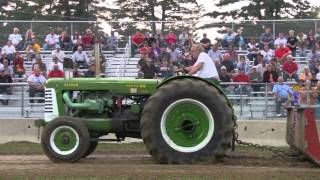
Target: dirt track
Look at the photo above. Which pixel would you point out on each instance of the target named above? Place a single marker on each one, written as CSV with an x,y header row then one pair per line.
x,y
139,165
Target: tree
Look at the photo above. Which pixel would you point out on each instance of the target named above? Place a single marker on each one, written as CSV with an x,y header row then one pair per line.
x,y
263,9
155,10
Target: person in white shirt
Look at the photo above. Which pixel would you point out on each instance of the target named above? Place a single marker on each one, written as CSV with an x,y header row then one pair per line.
x,y
204,67
267,53
55,61
51,40
57,52
9,50
36,84
16,38
280,40
80,58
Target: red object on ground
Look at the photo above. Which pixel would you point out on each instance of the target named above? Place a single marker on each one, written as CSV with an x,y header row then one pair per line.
x,y
302,133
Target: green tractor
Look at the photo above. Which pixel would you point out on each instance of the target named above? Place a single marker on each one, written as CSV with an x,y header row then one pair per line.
x,y
184,119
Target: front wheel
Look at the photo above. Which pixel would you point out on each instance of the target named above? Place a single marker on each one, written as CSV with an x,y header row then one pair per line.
x,y
187,121
65,140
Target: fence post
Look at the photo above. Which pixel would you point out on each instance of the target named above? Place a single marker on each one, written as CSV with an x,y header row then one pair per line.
x,y
241,100
266,99
129,47
22,101
274,29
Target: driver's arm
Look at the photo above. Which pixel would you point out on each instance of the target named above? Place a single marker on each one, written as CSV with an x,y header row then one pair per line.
x,y
194,69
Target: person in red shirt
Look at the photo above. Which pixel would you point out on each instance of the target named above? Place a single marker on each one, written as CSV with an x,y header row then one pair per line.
x,y
18,65
56,72
281,53
241,77
171,38
137,41
87,39
290,69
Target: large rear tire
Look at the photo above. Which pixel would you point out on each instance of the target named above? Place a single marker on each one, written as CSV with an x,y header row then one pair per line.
x,y
92,147
65,140
187,121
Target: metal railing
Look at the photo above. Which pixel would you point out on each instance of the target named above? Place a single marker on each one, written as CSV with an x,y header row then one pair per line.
x,y
248,102
124,59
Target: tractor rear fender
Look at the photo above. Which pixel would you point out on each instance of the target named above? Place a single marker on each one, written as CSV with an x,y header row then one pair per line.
x,y
215,84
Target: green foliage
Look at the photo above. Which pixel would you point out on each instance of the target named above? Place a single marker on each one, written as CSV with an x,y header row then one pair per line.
x,y
265,9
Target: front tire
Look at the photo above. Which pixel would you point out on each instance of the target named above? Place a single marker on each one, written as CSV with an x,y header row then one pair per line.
x,y
187,121
65,140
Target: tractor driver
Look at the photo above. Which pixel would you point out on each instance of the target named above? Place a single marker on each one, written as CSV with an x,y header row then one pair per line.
x,y
204,66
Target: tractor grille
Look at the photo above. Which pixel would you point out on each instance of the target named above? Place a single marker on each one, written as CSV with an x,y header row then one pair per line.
x,y
48,105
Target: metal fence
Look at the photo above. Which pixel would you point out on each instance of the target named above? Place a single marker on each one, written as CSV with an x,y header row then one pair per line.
x,y
123,29
248,101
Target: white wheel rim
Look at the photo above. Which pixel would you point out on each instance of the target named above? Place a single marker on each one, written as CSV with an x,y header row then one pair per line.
x,y
56,149
199,146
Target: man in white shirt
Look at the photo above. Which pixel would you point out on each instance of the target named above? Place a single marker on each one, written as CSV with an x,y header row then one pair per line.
x,y
57,52
204,67
36,84
280,40
80,58
9,50
55,61
51,40
16,38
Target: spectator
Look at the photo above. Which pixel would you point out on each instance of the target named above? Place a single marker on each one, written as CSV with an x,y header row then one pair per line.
x,y
149,70
205,42
18,65
174,55
75,47
76,39
243,65
266,38
40,65
32,50
240,42
7,68
267,53
155,52
189,42
5,89
233,53
80,58
112,42
290,69
51,40
227,62
57,52
56,72
253,50
36,84
166,69
9,50
280,40
305,75
55,61
302,43
16,39
310,40
28,38
87,40
275,66
262,65
171,39
137,41
292,42
281,53
225,78
241,77
183,37
281,92
91,71
270,76
215,54
313,58
65,41
228,39
255,77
